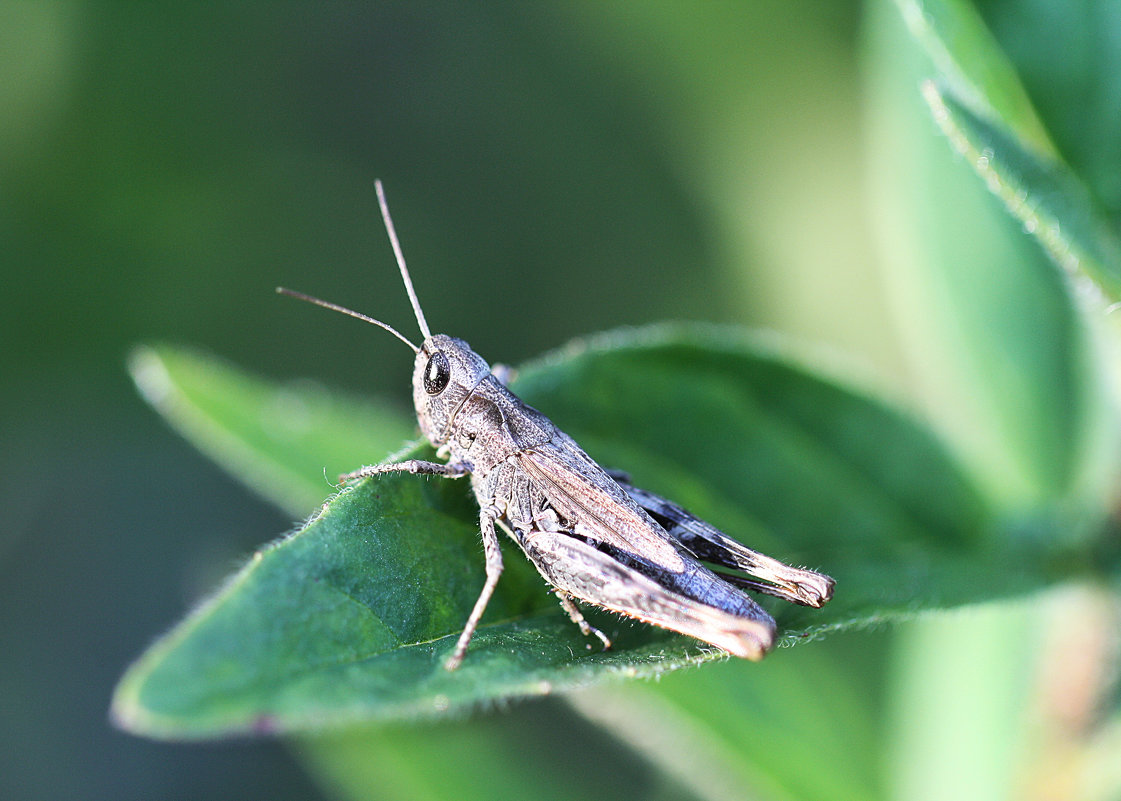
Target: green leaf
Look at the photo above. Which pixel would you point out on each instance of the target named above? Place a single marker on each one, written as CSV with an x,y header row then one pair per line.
x,y
803,725
528,750
289,442
1003,361
983,107
1066,57
350,618
1045,196
973,702
967,56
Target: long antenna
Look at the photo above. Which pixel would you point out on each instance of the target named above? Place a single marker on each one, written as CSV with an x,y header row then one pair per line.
x,y
401,261
335,307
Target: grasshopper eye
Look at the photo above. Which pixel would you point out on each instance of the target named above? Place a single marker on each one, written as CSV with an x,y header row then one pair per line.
x,y
437,374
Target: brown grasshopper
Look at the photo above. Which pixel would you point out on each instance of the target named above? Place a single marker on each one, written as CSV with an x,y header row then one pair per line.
x,y
594,536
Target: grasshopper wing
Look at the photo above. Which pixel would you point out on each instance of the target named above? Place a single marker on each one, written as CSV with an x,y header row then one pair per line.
x,y
612,553
737,625
710,544
589,499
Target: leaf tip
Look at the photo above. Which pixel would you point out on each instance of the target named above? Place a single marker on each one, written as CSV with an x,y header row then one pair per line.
x,y
150,375
126,712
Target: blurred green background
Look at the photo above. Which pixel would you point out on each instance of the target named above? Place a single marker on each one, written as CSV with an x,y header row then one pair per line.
x,y
553,170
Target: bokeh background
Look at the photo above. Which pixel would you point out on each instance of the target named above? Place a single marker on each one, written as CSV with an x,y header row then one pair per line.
x,y
553,170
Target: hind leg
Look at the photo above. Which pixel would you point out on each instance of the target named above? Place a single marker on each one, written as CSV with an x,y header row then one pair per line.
x,y
574,613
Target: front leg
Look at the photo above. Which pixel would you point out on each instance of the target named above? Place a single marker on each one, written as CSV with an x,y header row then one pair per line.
x,y
452,470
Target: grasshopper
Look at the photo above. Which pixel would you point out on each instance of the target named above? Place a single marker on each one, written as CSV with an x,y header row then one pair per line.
x,y
592,534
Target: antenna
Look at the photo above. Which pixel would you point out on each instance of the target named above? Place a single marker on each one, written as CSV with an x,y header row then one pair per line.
x,y
335,307
401,262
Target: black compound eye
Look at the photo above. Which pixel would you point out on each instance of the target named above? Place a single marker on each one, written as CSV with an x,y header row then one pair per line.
x,y
437,374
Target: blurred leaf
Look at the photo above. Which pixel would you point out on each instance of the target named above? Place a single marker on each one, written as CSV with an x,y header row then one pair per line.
x,y
1102,778
288,442
973,702
1045,196
965,53
1002,358
528,750
1066,56
801,725
989,117
349,619
1007,365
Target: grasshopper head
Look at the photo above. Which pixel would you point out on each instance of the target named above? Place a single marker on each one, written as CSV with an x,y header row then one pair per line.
x,y
446,372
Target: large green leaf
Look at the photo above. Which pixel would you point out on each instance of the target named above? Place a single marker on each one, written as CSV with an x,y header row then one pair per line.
x,y
285,442
349,619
